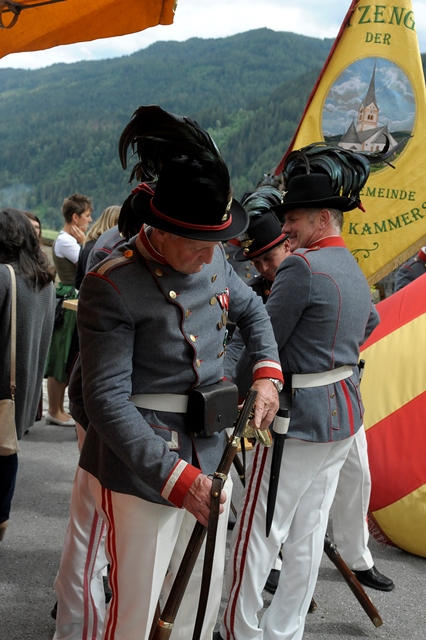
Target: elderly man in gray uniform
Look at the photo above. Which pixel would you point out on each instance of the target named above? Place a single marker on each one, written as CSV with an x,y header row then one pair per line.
x,y
321,312
152,323
267,248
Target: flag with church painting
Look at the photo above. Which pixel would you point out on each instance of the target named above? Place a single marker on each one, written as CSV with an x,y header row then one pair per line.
x,y
371,90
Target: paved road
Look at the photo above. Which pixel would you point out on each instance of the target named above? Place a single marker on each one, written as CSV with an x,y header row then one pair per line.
x,y
29,557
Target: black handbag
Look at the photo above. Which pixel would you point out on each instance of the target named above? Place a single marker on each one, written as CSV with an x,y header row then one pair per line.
x,y
212,408
59,313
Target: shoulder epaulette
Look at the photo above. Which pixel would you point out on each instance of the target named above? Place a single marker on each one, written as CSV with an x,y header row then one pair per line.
x,y
109,265
304,250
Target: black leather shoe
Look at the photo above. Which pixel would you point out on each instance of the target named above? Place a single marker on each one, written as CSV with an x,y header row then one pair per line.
x,y
272,581
374,579
54,611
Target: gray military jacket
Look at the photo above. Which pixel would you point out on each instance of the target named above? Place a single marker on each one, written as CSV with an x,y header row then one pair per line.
x,y
321,312
146,328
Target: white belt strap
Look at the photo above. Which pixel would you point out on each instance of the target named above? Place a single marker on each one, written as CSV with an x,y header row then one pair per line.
x,y
172,402
306,380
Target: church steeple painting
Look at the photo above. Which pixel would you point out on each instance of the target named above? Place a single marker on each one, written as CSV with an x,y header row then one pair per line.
x,y
367,134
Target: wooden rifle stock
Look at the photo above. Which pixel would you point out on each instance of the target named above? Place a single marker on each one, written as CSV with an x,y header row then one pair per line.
x,y
352,581
164,626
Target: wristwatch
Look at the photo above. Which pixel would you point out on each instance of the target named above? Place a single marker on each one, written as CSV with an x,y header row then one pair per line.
x,y
277,384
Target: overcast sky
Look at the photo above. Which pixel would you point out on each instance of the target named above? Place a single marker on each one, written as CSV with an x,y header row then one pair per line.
x,y
215,19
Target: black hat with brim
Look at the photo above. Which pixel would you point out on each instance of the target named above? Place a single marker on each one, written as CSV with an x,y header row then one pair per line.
x,y
311,191
191,200
263,234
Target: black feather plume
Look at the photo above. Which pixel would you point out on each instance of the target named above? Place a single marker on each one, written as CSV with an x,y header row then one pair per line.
x,y
348,170
262,200
157,136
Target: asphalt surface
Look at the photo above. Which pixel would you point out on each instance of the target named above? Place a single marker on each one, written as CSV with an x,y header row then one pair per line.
x,y
30,551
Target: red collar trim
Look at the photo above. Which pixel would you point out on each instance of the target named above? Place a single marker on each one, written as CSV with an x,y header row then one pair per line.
x,y
155,255
330,241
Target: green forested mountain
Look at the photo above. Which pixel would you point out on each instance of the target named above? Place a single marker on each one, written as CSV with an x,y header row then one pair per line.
x,y
59,126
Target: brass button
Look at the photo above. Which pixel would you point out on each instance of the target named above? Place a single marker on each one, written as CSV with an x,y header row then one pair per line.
x,y
158,272
220,354
198,363
213,301
334,413
247,268
128,253
172,294
248,275
188,313
214,278
332,394
219,326
192,338
267,292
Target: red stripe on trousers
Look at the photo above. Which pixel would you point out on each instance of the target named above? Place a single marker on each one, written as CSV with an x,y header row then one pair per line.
x,y
94,542
246,514
396,452
109,632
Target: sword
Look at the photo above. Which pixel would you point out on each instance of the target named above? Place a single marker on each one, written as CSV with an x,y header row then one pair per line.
x,y
281,422
163,627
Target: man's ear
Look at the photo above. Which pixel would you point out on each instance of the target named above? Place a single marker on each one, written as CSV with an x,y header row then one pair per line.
x,y
324,218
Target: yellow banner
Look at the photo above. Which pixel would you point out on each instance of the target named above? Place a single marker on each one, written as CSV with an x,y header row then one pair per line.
x,y
372,88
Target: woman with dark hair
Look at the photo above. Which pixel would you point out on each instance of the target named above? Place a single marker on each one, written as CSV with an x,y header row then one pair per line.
x,y
35,304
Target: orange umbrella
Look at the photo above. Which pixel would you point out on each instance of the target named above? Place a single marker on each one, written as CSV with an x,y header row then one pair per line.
x,y
33,25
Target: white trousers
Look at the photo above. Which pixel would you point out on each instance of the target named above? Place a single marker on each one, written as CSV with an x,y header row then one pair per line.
x,y
146,541
350,506
79,585
308,480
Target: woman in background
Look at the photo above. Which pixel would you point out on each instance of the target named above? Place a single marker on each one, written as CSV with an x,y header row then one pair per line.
x,y
35,221
77,212
107,220
35,305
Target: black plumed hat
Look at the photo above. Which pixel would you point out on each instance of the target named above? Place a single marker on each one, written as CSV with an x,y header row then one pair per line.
x,y
325,175
193,190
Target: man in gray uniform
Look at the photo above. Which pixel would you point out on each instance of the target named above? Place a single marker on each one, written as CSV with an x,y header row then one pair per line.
x,y
321,311
411,269
152,321
267,248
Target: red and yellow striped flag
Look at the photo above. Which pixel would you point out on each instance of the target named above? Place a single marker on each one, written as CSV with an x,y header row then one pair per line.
x,y
371,89
394,395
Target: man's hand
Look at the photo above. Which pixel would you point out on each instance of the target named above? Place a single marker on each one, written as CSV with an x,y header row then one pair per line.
x,y
266,403
197,500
